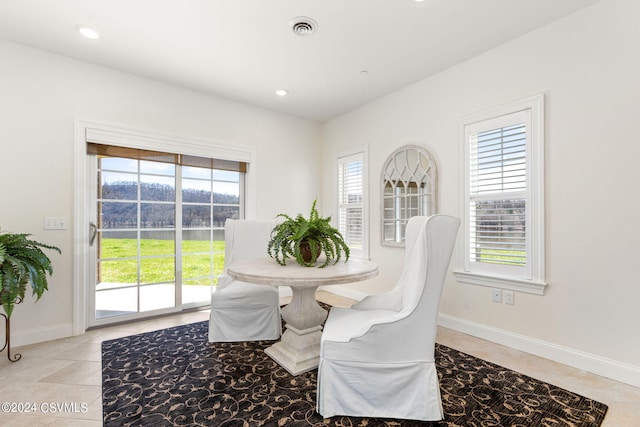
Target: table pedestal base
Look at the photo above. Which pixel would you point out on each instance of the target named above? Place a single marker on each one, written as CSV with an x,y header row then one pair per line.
x,y
298,350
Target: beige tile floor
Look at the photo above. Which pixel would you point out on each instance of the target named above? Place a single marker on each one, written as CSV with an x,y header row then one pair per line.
x,y
61,380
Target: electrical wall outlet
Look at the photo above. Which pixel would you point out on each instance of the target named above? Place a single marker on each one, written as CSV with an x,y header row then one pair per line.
x,y
496,295
508,297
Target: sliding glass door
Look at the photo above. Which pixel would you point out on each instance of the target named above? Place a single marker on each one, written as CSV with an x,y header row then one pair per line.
x,y
158,242
209,197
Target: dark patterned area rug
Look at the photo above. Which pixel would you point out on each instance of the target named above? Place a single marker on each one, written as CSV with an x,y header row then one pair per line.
x,y
175,377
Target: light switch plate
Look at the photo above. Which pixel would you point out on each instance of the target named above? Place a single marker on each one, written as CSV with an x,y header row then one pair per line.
x,y
55,223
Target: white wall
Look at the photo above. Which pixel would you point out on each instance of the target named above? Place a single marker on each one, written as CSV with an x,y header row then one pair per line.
x,y
40,96
587,65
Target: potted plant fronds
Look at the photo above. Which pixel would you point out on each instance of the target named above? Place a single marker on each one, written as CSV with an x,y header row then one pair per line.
x,y
304,239
22,261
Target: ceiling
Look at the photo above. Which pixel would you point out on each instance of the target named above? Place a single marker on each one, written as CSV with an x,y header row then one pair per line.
x,y
245,50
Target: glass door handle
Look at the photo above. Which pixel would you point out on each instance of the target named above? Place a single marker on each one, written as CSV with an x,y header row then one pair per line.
x,y
93,231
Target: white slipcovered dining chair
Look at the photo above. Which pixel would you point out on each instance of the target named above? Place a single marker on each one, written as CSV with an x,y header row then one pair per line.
x,y
377,357
243,311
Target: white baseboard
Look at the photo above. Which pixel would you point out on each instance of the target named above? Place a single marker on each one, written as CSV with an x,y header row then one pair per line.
x,y
619,371
343,292
284,291
38,335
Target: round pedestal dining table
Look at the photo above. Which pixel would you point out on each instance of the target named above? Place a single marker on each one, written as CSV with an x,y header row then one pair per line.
x,y
298,350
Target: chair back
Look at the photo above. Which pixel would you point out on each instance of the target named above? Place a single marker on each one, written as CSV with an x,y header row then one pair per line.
x,y
431,242
246,239
414,225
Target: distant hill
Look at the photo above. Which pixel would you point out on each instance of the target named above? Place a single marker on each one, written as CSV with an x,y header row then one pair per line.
x,y
120,208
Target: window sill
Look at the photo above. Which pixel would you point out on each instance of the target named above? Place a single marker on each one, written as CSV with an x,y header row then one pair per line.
x,y
509,283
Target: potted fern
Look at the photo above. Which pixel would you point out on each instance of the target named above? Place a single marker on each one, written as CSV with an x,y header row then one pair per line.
x,y
22,261
304,239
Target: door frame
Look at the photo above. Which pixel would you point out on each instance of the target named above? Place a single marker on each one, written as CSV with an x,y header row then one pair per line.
x,y
119,135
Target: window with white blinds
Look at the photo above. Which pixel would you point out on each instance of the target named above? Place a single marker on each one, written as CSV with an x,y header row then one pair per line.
x,y
351,202
503,198
497,199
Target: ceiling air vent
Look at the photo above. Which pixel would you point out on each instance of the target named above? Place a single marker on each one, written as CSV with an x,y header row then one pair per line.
x,y
303,26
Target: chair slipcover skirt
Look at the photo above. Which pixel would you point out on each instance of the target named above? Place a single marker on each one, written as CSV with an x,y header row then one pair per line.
x,y
410,389
360,377
245,312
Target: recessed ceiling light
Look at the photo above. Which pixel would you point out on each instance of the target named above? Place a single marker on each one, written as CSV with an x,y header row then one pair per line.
x,y
88,32
282,92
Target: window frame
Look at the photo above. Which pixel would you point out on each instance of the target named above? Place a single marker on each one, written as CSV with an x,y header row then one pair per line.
x,y
532,278
360,153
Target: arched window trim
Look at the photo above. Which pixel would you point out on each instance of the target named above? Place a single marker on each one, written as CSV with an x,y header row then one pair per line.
x,y
398,205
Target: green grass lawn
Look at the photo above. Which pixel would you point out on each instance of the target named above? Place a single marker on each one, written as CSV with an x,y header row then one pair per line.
x,y
161,267
496,256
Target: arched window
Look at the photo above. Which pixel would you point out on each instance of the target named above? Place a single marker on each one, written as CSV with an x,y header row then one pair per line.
x,y
409,188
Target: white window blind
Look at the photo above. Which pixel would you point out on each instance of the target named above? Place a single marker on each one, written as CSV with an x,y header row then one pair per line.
x,y
497,202
351,202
